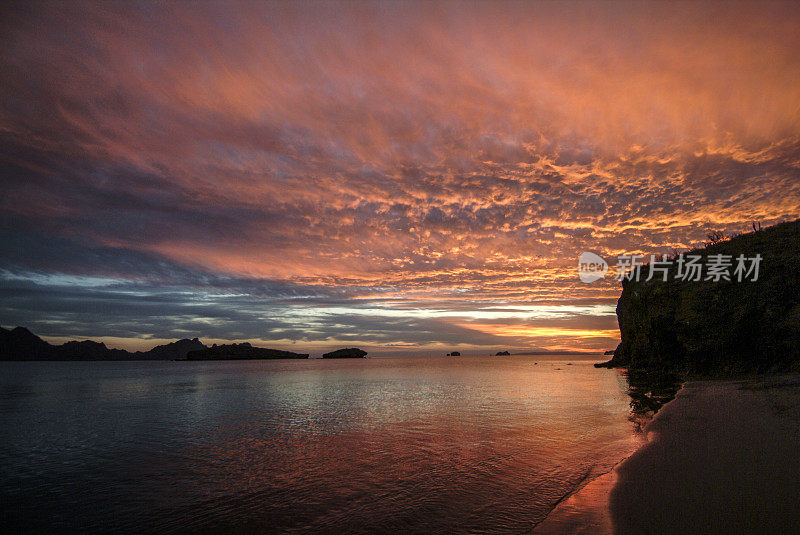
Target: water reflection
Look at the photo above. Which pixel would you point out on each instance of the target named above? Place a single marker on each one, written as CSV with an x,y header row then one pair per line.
x,y
369,446
587,510
649,391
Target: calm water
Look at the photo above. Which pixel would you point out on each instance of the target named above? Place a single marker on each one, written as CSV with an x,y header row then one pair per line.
x,y
415,445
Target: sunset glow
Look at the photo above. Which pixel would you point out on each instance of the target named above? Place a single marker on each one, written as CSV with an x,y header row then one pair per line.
x,y
403,176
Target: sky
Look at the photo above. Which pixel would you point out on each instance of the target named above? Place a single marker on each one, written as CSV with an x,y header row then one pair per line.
x,y
409,177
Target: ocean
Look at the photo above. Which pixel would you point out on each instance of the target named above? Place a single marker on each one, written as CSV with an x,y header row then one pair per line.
x,y
410,445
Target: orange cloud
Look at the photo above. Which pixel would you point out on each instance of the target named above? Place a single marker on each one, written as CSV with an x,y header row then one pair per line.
x,y
428,152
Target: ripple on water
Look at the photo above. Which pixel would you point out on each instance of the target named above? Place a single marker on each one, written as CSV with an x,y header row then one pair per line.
x,y
421,445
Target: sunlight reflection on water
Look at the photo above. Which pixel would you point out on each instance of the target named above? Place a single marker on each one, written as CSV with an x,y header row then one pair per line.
x,y
426,445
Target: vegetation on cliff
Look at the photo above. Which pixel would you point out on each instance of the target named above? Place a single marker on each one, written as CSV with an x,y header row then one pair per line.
x,y
718,327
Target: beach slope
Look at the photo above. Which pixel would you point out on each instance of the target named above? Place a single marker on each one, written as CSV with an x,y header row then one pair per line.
x,y
723,457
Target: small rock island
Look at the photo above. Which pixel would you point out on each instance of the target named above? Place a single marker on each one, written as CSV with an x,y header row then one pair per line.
x,y
348,353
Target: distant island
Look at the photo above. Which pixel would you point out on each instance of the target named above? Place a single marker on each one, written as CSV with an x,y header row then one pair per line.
x,y
20,344
243,351
722,327
349,353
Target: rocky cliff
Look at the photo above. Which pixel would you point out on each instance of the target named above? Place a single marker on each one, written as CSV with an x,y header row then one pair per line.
x,y
707,327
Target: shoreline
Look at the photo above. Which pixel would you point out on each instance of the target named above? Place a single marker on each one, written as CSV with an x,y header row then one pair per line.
x,y
586,509
721,457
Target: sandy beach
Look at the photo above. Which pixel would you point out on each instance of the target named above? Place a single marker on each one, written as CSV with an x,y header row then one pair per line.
x,y
723,457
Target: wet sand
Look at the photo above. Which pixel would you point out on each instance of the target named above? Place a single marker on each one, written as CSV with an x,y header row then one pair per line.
x,y
723,457
585,512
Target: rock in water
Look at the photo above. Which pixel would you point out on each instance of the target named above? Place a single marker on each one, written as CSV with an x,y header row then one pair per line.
x,y
349,353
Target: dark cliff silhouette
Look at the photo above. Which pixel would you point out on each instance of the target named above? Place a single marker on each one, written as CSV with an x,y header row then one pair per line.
x,y
724,327
21,344
176,350
243,351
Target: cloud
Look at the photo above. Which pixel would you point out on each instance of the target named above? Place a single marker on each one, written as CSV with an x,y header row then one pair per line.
x,y
410,152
